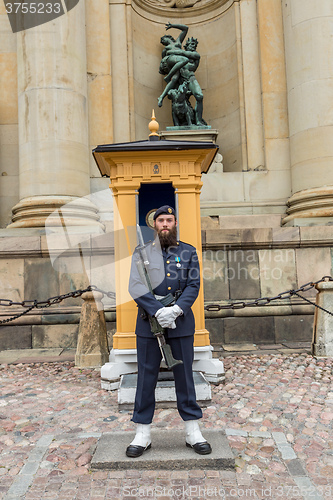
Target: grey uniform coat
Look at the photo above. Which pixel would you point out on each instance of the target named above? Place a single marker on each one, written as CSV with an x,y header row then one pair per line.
x,y
178,268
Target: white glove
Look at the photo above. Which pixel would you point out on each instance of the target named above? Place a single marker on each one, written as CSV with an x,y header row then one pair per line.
x,y
163,317
175,311
166,316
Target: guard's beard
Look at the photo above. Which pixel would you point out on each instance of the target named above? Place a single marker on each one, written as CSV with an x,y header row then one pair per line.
x,y
168,239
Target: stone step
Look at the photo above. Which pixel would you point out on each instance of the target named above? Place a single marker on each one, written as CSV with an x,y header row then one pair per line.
x,y
168,451
165,394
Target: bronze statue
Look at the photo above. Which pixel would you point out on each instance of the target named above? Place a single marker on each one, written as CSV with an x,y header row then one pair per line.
x,y
179,65
182,111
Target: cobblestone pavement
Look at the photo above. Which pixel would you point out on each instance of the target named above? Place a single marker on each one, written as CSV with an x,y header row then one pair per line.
x,y
276,409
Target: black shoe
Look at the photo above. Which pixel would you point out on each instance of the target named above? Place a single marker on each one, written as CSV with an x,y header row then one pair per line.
x,y
201,448
135,451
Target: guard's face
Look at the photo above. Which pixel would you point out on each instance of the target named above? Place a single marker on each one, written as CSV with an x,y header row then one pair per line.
x,y
164,223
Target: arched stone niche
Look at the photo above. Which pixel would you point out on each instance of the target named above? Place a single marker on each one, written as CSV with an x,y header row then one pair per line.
x,y
215,23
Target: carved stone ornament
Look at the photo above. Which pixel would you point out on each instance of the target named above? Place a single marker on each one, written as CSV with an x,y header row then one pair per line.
x,y
180,4
176,3
170,9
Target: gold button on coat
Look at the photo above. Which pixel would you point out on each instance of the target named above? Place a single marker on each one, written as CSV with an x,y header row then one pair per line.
x,y
168,274
169,287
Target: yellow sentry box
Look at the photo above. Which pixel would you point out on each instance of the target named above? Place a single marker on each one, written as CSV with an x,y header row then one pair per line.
x,y
131,165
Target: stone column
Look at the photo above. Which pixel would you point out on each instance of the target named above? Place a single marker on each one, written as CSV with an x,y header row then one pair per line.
x,y
309,55
53,122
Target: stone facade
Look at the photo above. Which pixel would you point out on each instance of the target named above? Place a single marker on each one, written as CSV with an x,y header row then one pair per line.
x,y
91,77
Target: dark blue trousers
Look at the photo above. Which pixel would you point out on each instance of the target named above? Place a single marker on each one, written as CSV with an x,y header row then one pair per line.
x,y
149,360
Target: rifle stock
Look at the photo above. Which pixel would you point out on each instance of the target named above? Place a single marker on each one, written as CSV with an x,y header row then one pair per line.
x,y
158,331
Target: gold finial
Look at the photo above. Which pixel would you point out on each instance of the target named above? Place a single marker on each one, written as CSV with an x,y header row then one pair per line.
x,y
153,126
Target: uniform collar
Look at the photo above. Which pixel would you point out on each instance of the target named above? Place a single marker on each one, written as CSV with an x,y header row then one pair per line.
x,y
171,250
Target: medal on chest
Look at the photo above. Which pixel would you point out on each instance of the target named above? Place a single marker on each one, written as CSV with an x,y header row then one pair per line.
x,y
177,259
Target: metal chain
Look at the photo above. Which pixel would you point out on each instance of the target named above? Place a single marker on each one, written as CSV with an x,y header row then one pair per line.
x,y
266,300
42,304
17,315
313,303
34,304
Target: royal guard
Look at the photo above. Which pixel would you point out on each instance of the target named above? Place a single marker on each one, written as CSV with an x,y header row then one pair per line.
x,y
165,282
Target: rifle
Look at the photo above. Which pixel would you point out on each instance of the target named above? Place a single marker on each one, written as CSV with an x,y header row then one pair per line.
x,y
155,327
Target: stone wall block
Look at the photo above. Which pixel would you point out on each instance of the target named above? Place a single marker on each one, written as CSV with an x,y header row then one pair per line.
x,y
249,330
243,274
286,236
24,245
62,319
209,223
102,274
278,153
223,236
315,235
71,278
103,242
267,185
48,336
216,330
312,264
277,271
9,154
257,236
15,337
41,279
214,271
12,279
229,190
65,243
295,328
272,221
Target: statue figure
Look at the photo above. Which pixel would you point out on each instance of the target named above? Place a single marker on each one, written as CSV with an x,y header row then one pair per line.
x,y
182,111
179,65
